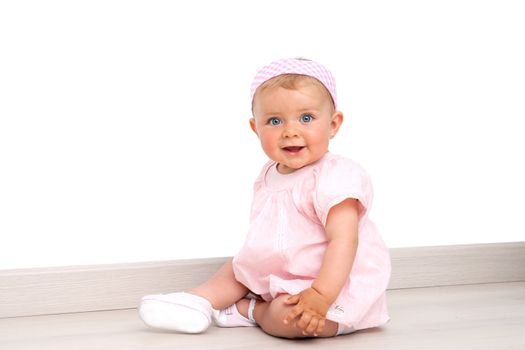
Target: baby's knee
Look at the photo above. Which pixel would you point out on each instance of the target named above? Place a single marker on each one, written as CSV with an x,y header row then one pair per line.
x,y
278,308
273,322
275,314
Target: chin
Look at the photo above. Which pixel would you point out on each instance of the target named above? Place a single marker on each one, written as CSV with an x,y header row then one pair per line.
x,y
294,167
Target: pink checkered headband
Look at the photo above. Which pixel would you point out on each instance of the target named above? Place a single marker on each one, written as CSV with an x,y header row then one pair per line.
x,y
296,66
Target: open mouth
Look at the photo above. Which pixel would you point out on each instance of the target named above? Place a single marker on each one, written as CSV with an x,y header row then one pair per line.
x,y
293,149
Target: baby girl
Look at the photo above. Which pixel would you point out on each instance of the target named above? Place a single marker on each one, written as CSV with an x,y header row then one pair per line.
x,y
313,264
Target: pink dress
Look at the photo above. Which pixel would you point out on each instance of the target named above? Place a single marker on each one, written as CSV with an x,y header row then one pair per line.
x,y
286,242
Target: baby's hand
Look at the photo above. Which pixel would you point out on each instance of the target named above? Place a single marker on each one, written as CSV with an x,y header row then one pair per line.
x,y
310,309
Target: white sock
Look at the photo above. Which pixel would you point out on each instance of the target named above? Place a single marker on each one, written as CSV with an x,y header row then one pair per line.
x,y
231,317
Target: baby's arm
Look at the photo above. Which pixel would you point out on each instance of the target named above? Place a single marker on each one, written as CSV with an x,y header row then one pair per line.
x,y
312,304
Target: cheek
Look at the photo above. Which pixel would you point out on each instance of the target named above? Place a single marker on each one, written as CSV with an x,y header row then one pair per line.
x,y
269,141
266,135
319,135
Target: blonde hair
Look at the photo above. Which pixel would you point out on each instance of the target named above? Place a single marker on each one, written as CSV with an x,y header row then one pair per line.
x,y
292,81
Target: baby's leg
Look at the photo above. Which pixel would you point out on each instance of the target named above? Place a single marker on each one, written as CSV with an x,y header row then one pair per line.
x,y
270,318
222,290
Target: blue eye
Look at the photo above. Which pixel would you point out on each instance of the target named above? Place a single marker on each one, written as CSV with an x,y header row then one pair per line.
x,y
306,118
274,121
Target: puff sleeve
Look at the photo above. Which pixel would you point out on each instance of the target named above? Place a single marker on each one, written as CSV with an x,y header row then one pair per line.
x,y
339,179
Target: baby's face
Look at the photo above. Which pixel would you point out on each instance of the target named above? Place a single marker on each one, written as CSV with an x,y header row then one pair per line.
x,y
294,126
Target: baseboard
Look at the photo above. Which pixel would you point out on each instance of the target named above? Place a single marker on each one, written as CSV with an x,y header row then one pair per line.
x,y
29,292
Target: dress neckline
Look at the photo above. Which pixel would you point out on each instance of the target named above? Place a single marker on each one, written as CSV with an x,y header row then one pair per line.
x,y
275,181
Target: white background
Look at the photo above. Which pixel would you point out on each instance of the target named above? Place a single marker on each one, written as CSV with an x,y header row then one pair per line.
x,y
124,124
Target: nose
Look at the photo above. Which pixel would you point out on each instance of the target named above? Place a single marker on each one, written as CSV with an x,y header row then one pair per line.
x,y
290,131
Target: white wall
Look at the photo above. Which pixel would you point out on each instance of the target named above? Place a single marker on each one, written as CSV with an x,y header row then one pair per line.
x,y
124,124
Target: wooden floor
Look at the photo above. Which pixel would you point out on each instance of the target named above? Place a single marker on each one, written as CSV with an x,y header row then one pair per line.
x,y
482,316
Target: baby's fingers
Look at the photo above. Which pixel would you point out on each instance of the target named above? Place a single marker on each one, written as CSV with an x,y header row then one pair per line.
x,y
294,299
312,327
320,327
304,322
295,312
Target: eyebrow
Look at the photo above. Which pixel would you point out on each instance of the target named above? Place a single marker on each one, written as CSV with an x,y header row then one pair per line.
x,y
302,110
309,110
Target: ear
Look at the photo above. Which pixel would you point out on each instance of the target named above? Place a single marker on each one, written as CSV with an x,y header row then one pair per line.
x,y
252,125
335,124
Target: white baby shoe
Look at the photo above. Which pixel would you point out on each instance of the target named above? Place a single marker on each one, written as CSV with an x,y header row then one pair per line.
x,y
181,312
